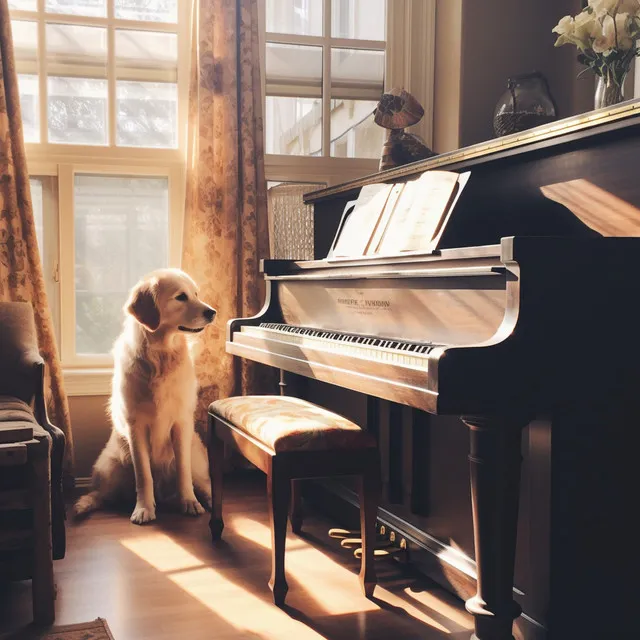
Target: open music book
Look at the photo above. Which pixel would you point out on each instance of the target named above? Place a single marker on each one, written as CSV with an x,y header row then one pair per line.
x,y
389,219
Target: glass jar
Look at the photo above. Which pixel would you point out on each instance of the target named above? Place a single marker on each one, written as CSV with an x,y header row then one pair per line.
x,y
526,103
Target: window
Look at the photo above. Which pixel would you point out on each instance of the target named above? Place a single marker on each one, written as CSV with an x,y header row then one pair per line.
x,y
102,89
324,69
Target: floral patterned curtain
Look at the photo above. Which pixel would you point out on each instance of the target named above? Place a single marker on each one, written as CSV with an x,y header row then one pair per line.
x,y
226,229
21,277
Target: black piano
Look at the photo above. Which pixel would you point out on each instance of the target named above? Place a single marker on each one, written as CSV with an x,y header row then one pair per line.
x,y
521,329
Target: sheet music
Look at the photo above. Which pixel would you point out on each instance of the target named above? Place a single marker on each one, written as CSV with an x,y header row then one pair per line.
x,y
359,226
383,220
419,213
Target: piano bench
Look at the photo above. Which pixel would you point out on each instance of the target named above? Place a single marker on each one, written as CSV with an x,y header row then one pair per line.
x,y
290,439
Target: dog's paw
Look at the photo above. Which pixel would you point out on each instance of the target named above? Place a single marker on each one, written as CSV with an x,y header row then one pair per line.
x,y
191,506
142,514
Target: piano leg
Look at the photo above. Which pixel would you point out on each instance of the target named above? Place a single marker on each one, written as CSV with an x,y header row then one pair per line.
x,y
495,458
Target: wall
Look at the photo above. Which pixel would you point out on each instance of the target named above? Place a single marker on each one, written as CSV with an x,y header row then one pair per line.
x,y
479,45
91,428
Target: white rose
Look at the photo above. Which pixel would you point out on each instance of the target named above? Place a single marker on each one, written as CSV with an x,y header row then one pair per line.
x,y
586,28
604,7
616,36
564,27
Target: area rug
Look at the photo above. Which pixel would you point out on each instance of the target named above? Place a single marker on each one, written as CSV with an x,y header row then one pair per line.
x,y
96,630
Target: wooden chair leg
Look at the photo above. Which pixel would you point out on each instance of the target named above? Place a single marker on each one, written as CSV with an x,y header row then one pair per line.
x,y
296,513
278,490
216,472
43,589
369,499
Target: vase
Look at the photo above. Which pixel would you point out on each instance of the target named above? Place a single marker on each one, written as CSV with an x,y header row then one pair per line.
x,y
610,89
526,103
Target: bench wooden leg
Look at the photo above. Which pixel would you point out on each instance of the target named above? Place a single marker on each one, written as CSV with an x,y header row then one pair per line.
x,y
295,513
216,472
43,588
369,499
278,491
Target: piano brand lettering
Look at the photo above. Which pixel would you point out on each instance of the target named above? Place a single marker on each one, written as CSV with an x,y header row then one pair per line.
x,y
365,304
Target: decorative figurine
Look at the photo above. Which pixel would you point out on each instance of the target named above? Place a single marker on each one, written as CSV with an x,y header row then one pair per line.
x,y
396,110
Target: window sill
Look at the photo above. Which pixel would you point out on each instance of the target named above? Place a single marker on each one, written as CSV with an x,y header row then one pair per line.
x,y
87,382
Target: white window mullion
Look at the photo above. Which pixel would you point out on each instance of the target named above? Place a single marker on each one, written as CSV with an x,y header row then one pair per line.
x,y
42,75
111,76
326,80
67,264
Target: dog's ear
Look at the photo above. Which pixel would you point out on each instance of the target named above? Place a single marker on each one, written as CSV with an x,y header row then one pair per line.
x,y
142,305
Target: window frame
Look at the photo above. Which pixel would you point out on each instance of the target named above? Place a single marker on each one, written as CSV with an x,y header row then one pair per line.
x,y
89,374
409,62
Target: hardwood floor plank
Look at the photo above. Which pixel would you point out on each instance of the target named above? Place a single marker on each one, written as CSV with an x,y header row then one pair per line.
x,y
166,581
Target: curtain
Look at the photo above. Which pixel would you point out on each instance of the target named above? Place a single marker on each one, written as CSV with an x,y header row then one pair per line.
x,y
226,228
21,277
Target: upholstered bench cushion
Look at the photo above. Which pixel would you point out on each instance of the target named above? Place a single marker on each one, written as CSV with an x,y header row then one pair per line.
x,y
289,424
17,422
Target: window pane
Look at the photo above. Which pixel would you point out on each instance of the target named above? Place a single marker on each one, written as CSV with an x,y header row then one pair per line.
x,y
25,44
148,10
76,50
361,19
293,66
143,50
147,114
121,225
303,17
30,107
77,111
294,126
24,5
37,202
77,7
354,134
352,69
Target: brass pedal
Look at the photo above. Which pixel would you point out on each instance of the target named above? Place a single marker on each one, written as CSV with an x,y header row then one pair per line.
x,y
342,533
380,543
379,553
351,542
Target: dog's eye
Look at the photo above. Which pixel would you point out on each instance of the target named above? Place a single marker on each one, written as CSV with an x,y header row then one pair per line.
x,y
182,297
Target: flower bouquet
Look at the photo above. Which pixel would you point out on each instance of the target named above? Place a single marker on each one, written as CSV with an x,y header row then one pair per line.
x,y
605,32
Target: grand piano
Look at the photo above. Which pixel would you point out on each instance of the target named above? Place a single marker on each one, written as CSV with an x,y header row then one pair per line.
x,y
522,326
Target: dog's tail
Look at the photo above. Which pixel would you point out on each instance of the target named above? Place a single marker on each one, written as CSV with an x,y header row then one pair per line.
x,y
86,504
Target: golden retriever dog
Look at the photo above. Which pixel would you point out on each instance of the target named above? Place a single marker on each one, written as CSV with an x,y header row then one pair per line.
x,y
153,447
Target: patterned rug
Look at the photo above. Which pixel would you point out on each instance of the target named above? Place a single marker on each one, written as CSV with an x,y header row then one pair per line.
x,y
96,630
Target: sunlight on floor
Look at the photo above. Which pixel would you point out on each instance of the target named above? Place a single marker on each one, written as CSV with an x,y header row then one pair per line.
x,y
161,552
306,566
316,571
221,595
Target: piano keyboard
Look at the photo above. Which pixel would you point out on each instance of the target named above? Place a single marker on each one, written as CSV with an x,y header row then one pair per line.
x,y
408,354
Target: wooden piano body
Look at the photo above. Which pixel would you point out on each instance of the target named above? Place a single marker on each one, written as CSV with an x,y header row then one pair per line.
x,y
522,329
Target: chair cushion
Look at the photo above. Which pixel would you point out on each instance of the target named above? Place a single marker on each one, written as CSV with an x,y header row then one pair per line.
x,y
17,422
284,424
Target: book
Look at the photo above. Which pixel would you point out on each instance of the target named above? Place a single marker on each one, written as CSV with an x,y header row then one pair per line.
x,y
357,227
419,216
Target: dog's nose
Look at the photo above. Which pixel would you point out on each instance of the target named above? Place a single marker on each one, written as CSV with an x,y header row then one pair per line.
x,y
209,314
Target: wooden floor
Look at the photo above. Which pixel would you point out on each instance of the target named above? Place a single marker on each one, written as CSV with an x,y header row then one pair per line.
x,y
166,581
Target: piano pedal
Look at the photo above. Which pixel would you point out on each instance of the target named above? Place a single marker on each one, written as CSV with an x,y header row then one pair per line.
x,y
342,533
348,543
379,553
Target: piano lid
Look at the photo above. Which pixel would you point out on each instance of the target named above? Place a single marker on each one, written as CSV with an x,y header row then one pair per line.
x,y
574,179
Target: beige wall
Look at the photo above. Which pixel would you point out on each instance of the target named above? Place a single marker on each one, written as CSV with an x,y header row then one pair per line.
x,y
479,45
91,430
